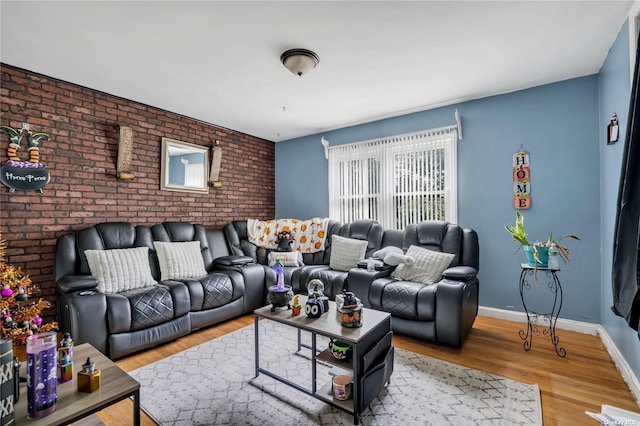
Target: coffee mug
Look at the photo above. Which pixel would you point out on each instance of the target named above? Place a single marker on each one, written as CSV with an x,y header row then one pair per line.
x,y
340,350
341,387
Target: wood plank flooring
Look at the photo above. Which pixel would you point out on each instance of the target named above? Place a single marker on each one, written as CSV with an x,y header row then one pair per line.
x,y
584,380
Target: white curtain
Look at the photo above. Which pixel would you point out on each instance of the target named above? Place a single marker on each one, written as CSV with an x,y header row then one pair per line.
x,y
396,180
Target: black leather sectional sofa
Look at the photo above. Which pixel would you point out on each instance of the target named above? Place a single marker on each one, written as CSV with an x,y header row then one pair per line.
x,y
237,277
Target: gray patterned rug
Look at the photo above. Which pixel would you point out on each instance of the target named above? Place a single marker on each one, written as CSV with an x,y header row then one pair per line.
x,y
214,384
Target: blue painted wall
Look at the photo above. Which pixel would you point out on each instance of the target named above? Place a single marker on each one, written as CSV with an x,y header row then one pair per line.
x,y
556,123
614,92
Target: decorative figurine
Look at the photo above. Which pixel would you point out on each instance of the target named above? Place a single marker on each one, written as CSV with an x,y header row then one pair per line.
x,y
279,295
314,307
284,241
315,288
351,311
89,377
65,359
296,306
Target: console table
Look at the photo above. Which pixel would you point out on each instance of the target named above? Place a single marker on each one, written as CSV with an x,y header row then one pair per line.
x,y
538,274
371,362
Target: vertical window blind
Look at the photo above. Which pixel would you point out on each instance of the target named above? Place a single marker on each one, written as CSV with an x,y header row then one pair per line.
x,y
396,180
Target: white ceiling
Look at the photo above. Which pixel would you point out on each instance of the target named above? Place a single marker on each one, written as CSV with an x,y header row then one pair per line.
x,y
220,61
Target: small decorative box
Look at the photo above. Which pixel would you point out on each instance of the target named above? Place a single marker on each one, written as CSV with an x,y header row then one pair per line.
x,y
65,372
88,382
89,377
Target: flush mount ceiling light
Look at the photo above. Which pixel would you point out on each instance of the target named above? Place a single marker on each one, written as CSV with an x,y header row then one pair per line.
x,y
299,61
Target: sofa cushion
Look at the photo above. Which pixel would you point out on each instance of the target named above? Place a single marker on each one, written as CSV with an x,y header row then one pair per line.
x,y
120,269
409,300
140,308
287,258
346,252
180,260
427,268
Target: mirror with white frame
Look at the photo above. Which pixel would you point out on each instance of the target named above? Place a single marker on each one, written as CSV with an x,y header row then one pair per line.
x,y
184,167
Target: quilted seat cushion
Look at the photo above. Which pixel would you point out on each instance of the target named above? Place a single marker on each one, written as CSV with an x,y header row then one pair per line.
x,y
409,300
148,307
217,290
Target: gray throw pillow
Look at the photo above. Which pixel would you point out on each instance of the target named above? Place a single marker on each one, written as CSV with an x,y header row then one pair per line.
x,y
180,260
346,252
427,268
120,269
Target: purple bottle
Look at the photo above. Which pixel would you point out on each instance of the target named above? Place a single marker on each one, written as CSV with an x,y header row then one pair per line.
x,y
42,378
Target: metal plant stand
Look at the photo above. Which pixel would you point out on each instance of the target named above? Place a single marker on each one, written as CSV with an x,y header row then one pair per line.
x,y
531,274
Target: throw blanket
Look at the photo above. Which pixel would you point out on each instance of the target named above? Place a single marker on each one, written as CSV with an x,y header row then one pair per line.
x,y
308,235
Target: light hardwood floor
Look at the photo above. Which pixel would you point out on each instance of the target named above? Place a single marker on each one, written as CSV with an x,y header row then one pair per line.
x,y
584,380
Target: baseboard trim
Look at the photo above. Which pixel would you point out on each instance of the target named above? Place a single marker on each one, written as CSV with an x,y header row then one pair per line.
x,y
563,324
622,365
581,327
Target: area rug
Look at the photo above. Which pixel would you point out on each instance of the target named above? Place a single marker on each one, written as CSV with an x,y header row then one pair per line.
x,y
214,384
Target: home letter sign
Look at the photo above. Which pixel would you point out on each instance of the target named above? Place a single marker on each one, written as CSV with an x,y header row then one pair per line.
x,y
521,181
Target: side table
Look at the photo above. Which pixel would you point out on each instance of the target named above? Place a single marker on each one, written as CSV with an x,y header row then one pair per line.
x,y
531,273
73,405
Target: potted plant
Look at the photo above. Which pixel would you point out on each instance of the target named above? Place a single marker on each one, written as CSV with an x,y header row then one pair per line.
x,y
537,252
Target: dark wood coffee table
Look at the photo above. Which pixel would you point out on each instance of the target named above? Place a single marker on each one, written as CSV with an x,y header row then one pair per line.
x,y
72,405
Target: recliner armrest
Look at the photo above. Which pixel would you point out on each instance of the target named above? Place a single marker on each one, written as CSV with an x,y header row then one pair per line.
x,y
70,283
233,260
379,265
359,282
460,273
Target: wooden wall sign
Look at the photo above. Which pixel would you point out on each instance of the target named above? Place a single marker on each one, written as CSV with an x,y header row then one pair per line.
x,y
521,180
28,175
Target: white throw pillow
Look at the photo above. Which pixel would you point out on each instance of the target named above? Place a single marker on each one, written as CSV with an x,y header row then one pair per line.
x,y
120,269
427,268
180,260
346,252
287,258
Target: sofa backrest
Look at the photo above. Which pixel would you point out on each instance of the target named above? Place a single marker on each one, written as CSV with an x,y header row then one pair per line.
x,y
176,232
444,237
364,229
392,237
71,260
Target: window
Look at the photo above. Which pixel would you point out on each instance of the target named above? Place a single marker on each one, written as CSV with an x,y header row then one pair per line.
x,y
397,180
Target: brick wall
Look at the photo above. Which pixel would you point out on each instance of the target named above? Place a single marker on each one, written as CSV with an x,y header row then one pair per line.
x,y
81,158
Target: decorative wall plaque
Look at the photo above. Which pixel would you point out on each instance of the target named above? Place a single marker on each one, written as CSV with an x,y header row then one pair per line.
x,y
521,180
27,175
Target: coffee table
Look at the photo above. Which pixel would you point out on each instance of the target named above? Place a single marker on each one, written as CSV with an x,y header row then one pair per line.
x,y
371,363
72,405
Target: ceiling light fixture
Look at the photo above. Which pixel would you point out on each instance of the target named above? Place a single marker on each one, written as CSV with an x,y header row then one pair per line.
x,y
299,61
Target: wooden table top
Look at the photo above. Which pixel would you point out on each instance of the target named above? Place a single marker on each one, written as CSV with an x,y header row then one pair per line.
x,y
115,385
328,324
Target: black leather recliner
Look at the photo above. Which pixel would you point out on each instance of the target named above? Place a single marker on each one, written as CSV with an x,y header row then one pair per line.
x,y
443,312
